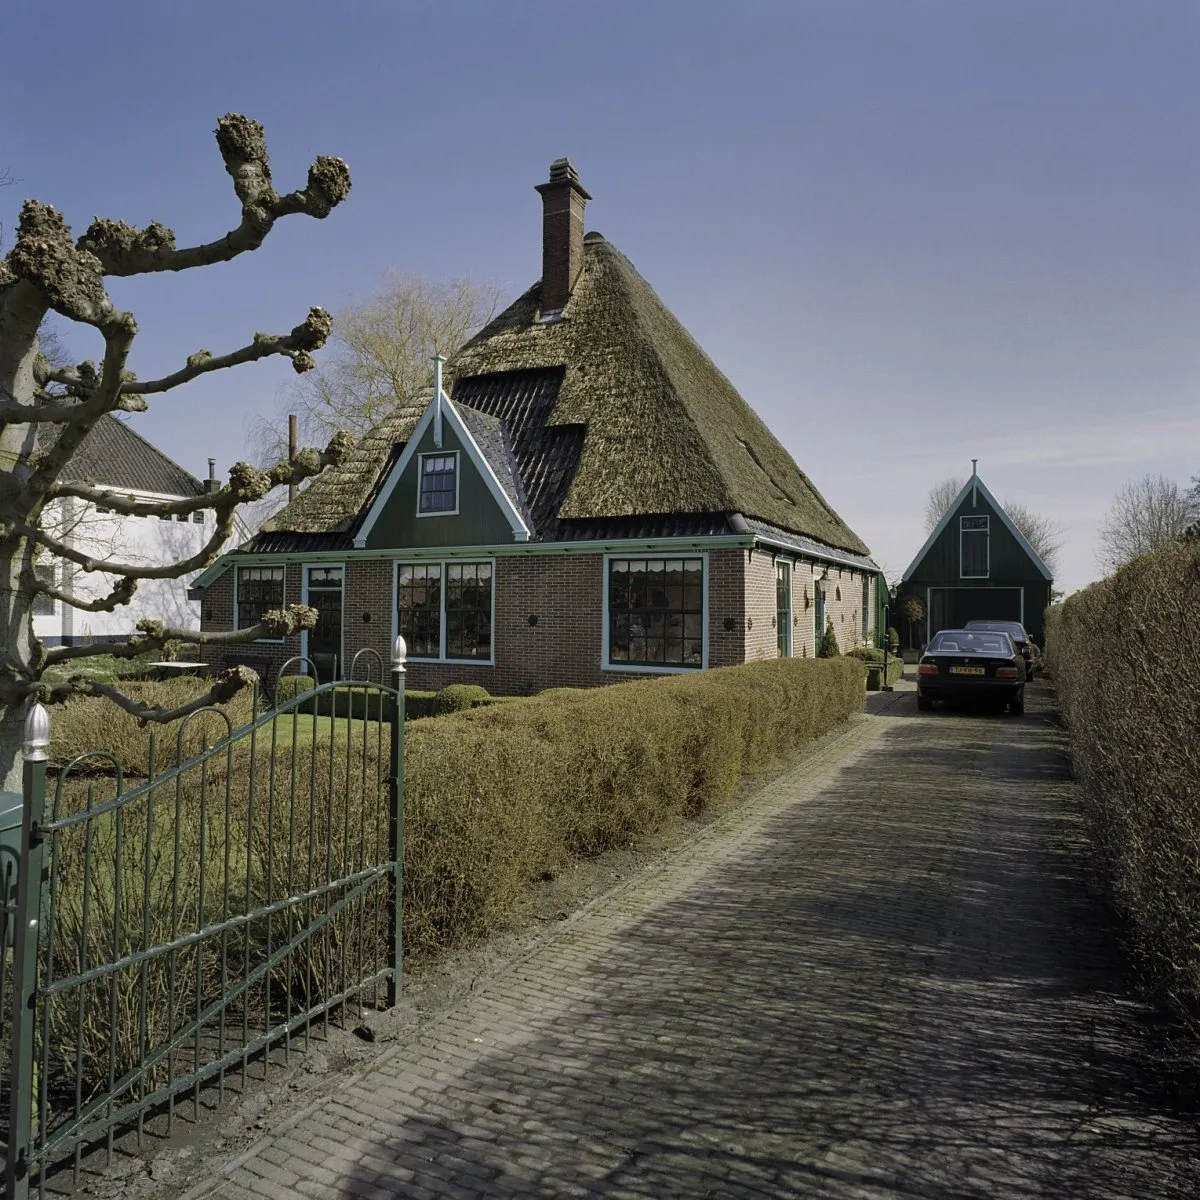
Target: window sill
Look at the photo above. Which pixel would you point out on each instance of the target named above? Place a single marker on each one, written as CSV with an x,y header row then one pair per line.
x,y
651,668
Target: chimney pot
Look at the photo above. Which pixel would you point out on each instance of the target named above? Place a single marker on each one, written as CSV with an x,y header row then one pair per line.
x,y
563,202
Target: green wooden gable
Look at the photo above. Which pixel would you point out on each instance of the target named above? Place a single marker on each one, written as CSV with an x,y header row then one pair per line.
x,y
976,565
483,513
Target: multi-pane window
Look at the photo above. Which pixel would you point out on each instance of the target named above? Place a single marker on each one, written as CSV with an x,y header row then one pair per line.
x,y
43,605
445,609
973,547
468,610
656,611
259,591
419,601
866,607
783,608
439,491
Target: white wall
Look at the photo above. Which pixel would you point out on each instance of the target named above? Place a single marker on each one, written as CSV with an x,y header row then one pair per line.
x,y
147,541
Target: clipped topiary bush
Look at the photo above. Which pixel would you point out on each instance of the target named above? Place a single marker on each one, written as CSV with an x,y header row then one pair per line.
x,y
829,646
457,697
291,686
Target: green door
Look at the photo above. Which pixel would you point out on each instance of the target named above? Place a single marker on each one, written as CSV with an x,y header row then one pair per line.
x,y
783,609
325,638
818,617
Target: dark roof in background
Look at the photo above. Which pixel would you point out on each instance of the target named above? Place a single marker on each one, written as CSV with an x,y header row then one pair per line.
x,y
113,455
611,414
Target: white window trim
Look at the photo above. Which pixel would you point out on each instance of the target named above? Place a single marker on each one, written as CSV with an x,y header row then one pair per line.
x,y
654,668
304,569
441,512
397,563
987,573
237,571
791,566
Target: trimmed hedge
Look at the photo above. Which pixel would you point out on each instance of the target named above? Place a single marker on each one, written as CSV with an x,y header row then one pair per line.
x,y
499,795
873,657
1125,654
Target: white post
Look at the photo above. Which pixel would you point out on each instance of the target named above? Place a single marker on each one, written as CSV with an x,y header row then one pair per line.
x,y
438,360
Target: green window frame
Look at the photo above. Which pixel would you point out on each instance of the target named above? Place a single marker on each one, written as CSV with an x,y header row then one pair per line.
x,y
259,591
783,608
656,613
445,610
437,494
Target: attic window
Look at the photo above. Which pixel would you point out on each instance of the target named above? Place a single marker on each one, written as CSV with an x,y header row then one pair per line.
x,y
973,549
439,485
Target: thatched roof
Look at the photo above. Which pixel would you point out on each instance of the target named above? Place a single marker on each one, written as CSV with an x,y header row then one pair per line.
x,y
643,421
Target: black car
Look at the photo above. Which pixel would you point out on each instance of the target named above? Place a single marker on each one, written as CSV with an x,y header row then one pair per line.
x,y
963,663
1016,631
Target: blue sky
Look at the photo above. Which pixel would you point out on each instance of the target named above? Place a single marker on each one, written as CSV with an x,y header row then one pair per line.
x,y
911,233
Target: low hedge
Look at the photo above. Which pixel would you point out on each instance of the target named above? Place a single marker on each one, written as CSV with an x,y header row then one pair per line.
x,y
1124,653
874,660
502,794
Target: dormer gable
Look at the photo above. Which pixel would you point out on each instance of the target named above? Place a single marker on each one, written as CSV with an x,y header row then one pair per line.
x,y
452,484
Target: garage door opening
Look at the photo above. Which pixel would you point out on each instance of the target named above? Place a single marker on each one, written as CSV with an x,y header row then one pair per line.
x,y
952,608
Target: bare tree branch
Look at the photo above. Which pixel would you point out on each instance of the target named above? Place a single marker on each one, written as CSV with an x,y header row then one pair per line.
x,y
246,484
1145,515
122,593
122,249
280,622
227,685
298,345
205,556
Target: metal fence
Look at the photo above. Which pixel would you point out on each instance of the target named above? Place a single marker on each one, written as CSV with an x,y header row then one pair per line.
x,y
180,932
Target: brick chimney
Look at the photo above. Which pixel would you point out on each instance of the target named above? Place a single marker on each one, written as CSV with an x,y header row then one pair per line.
x,y
563,201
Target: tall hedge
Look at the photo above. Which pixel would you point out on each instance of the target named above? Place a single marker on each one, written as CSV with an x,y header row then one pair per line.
x,y
1125,654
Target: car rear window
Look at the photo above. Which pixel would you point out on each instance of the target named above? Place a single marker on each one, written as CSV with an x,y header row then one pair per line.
x,y
975,642
1014,629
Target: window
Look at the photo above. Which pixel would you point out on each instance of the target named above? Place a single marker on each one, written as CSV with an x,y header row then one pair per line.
x,y
866,607
783,608
43,605
198,517
656,612
973,547
439,484
468,610
444,610
259,591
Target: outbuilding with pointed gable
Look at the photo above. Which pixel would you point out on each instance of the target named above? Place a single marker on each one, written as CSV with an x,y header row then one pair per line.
x,y
976,565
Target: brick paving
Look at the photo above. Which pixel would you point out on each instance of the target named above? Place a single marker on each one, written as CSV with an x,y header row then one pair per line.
x,y
884,976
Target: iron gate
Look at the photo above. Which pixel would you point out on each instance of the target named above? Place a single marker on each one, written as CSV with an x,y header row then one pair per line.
x,y
199,921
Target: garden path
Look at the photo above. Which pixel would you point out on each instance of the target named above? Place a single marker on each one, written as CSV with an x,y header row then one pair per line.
x,y
883,976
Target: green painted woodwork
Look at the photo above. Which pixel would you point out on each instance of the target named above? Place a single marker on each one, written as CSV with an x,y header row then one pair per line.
x,y
1010,567
478,522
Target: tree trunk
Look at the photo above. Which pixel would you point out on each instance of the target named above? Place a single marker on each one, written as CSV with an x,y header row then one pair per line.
x,y
21,311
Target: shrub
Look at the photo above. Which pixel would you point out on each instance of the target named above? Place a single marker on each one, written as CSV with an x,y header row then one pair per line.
x,y
457,697
290,686
1123,653
829,645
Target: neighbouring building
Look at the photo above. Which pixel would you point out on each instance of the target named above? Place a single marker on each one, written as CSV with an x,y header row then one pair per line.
x,y
113,456
975,566
582,498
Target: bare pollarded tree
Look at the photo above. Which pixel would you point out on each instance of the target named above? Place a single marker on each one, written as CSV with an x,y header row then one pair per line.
x,y
1145,515
49,271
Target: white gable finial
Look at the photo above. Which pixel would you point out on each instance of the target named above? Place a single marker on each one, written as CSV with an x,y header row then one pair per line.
x,y
973,462
438,360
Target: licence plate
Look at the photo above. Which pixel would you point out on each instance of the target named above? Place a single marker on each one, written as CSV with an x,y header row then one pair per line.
x,y
967,671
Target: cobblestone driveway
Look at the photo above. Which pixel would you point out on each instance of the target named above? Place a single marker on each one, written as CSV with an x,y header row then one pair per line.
x,y
883,977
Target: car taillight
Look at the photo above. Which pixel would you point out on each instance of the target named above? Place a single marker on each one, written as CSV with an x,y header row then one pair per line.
x,y
927,668
1008,672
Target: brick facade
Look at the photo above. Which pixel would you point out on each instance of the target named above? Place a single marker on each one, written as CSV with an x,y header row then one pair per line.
x,y
565,593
